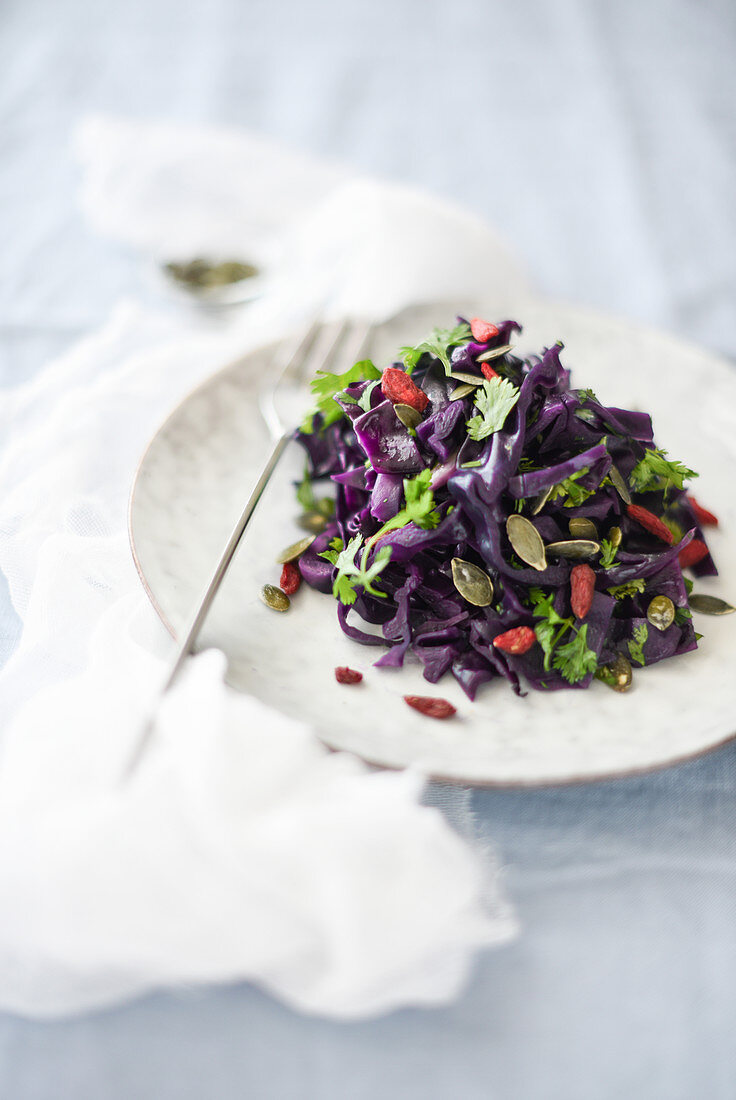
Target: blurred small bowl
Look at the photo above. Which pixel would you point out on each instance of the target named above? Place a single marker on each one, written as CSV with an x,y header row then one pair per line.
x,y
214,281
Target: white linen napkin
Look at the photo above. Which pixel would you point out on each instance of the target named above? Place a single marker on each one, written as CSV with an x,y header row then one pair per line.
x,y
242,849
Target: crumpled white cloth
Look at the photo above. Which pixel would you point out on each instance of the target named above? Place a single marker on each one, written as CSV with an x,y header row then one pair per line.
x,y
241,849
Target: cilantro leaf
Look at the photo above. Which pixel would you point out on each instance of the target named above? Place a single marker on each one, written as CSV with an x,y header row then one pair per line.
x,y
552,626
569,487
656,471
586,395
608,553
419,508
574,659
325,386
438,343
350,575
495,399
636,644
631,588
325,506
683,615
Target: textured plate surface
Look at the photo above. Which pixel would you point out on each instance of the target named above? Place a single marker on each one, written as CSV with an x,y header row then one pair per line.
x,y
196,474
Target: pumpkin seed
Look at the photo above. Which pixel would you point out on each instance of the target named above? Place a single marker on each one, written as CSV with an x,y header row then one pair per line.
x,y
494,353
619,484
575,549
471,379
541,499
473,584
614,537
582,528
274,598
661,612
291,553
709,605
462,391
526,541
313,521
408,415
617,675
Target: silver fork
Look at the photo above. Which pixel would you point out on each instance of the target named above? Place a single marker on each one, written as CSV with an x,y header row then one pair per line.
x,y
318,348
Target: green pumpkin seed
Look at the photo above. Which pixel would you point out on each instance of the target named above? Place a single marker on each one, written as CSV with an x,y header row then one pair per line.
x,y
471,379
574,549
526,541
614,537
408,415
709,605
462,391
473,584
494,353
661,612
315,522
582,528
274,598
619,484
541,499
617,675
291,553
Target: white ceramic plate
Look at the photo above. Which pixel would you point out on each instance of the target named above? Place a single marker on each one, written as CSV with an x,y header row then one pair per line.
x,y
198,470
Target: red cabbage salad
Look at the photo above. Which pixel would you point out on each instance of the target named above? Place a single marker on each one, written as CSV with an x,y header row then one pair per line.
x,y
491,521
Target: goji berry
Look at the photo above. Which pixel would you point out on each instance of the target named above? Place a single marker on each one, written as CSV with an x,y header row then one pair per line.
x,y
345,675
519,639
433,708
488,371
650,522
398,387
582,587
482,331
291,578
691,554
702,515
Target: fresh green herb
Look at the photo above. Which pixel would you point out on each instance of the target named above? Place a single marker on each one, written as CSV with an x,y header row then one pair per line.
x,y
574,659
689,585
519,505
656,471
526,465
471,465
631,588
351,576
586,395
438,343
325,506
636,644
683,615
419,508
608,553
495,399
586,415
325,386
569,487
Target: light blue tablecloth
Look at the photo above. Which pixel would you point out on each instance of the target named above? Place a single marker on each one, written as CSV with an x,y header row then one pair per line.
x,y
600,138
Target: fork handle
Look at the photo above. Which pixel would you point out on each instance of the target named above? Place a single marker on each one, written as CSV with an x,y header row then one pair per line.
x,y
196,623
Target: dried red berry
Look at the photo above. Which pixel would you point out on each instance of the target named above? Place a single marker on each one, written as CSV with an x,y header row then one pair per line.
x,y
650,522
691,554
488,371
398,387
291,578
702,515
482,331
582,587
345,675
433,708
519,639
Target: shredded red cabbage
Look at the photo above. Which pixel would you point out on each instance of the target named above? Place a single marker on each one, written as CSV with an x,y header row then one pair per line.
x,y
554,439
